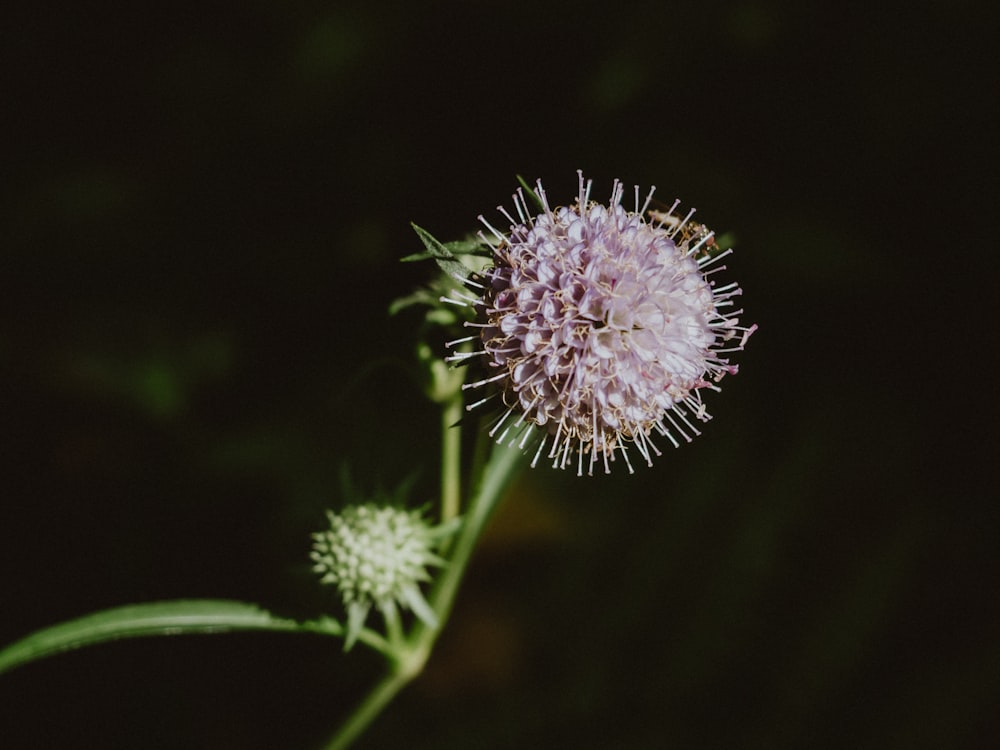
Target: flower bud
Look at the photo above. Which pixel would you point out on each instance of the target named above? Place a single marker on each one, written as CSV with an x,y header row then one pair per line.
x,y
378,555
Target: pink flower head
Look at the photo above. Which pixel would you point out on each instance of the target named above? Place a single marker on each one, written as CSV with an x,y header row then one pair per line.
x,y
603,328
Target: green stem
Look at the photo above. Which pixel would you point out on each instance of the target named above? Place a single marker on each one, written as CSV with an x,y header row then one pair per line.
x,y
393,629
451,457
501,468
377,699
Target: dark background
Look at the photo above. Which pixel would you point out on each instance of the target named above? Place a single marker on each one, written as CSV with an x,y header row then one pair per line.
x,y
202,211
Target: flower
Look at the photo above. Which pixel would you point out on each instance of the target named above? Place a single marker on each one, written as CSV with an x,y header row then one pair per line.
x,y
601,327
378,555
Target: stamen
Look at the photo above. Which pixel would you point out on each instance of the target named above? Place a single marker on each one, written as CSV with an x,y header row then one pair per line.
x,y
467,280
462,356
706,260
509,218
697,407
642,211
478,383
680,226
670,415
500,421
683,417
489,226
662,429
567,444
718,289
526,433
480,402
625,456
541,196
701,242
520,206
706,274
640,446
538,452
617,191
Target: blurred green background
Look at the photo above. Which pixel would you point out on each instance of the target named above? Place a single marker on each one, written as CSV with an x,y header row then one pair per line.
x,y
202,208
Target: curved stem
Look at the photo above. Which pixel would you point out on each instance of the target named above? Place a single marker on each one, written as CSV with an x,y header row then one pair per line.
x,y
377,699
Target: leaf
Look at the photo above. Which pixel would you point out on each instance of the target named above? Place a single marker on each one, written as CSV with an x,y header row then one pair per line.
x,y
180,617
470,246
440,253
435,248
418,297
531,193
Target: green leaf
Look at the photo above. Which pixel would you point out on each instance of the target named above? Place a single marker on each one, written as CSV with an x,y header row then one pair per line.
x,y
435,248
470,246
531,193
440,253
418,297
180,617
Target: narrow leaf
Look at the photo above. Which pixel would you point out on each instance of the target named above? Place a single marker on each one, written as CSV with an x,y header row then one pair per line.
x,y
178,617
419,297
434,249
437,251
470,246
532,195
